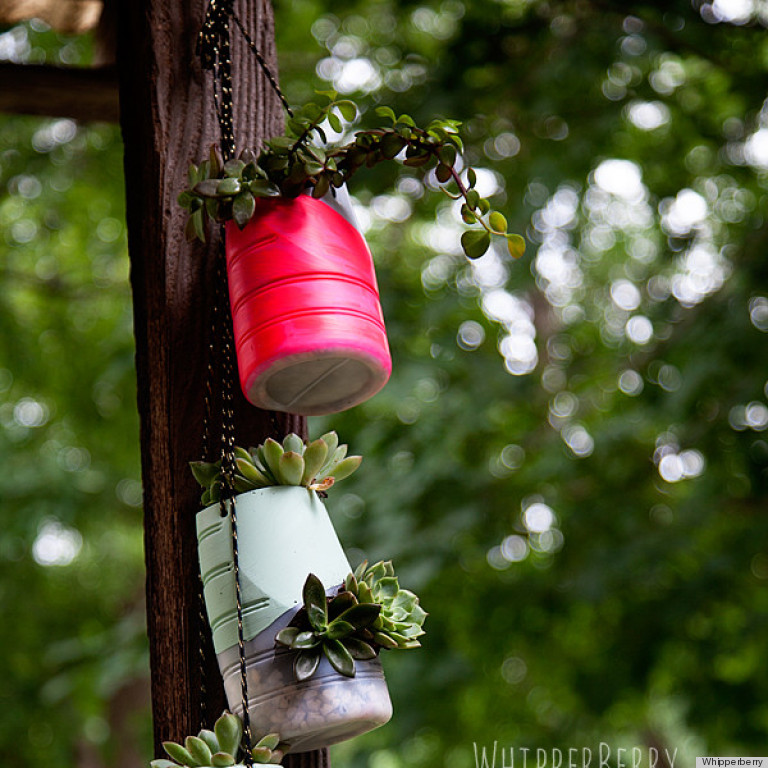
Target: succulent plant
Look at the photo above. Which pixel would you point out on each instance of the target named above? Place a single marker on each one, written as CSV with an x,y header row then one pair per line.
x,y
329,629
401,619
316,465
369,612
219,748
294,163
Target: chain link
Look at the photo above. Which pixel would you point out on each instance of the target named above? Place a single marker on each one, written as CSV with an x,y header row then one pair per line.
x,y
214,48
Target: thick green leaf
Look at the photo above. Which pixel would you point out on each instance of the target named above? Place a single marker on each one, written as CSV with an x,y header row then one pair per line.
x,y
292,442
243,207
475,242
314,458
443,173
498,222
199,750
340,603
340,658
204,471
348,110
250,473
361,615
163,763
179,754
287,636
315,602
515,245
270,741
359,649
209,737
339,628
272,451
261,754
222,760
229,732
306,664
346,467
291,468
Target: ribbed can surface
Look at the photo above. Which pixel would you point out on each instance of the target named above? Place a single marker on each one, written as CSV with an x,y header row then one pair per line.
x,y
309,330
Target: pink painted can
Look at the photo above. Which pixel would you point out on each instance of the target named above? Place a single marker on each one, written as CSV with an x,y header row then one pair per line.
x,y
308,326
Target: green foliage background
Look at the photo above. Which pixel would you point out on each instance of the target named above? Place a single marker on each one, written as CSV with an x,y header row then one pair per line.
x,y
639,617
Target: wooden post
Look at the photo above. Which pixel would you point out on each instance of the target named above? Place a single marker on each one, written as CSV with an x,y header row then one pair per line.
x,y
168,120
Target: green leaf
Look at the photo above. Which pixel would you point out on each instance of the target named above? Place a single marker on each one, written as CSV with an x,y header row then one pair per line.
x,y
359,649
387,588
322,185
306,664
193,175
471,177
305,640
498,222
406,120
341,603
386,112
340,658
334,122
287,636
291,468
348,110
350,583
272,452
467,215
229,732
261,754
227,187
443,173
475,242
362,615
315,602
483,205
392,145
163,763
209,737
292,442
233,168
261,188
243,207
204,471
270,741
473,198
250,473
339,628
384,640
516,246
197,223
207,188
199,750
315,455
222,760
346,467
179,754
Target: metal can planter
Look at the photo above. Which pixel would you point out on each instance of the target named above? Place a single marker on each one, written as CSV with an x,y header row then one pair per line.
x,y
309,330
284,534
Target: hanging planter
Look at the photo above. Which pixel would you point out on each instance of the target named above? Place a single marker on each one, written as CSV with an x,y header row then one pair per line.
x,y
308,327
312,667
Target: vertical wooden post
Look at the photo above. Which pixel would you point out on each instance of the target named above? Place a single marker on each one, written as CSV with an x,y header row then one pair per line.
x,y
168,120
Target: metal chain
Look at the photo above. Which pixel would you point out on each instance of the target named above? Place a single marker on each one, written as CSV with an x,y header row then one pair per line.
x,y
215,50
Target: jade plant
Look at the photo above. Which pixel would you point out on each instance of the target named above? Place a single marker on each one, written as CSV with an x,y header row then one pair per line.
x,y
316,465
220,747
303,161
370,612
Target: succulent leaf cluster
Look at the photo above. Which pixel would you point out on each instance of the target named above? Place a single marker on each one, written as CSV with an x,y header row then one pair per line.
x,y
296,162
316,465
220,748
370,612
401,620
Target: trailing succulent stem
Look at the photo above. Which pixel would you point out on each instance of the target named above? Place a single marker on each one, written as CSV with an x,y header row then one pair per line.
x,y
296,162
220,748
316,465
370,612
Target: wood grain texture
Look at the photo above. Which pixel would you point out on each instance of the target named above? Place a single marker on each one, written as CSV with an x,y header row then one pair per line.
x,y
40,89
167,121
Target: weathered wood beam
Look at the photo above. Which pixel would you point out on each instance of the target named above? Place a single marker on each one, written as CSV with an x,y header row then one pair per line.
x,y
167,121
80,93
